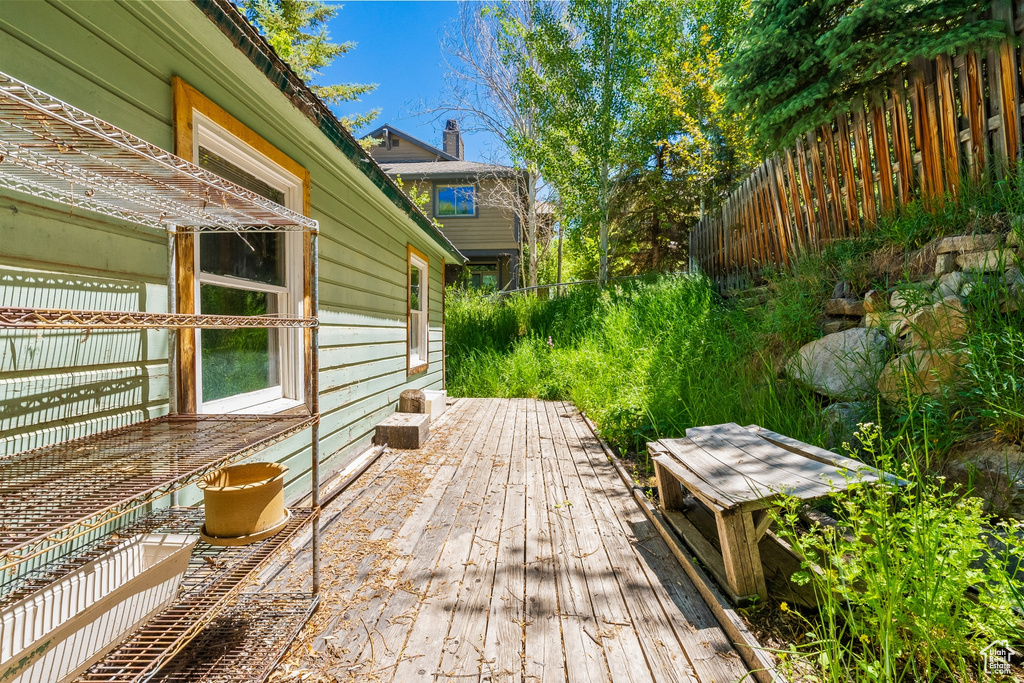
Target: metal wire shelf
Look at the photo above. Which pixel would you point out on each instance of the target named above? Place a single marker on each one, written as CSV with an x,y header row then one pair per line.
x,y
52,495
53,151
36,318
216,575
244,643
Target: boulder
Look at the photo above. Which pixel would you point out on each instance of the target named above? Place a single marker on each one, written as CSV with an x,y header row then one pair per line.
x,y
850,307
965,243
894,324
412,401
842,290
843,366
842,420
910,297
833,326
923,371
1015,239
945,263
875,301
985,261
950,284
937,325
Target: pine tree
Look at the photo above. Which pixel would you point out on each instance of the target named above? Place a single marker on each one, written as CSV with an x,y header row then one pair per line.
x,y
297,30
801,62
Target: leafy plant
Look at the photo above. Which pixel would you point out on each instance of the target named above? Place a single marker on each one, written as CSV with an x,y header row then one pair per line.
x,y
913,582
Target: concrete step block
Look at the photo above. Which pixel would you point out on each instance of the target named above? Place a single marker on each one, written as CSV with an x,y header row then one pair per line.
x,y
403,430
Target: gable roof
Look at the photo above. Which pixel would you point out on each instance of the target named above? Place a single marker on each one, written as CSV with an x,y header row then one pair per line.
x,y
253,45
376,133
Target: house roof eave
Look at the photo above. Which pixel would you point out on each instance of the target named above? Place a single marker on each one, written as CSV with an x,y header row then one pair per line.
x,y
255,47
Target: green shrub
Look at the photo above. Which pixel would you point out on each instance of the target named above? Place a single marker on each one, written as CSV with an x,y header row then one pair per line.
x,y
909,588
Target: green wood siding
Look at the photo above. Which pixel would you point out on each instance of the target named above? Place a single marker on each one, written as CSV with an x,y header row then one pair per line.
x,y
116,60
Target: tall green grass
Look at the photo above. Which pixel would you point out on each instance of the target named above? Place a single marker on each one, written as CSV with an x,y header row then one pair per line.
x,y
645,360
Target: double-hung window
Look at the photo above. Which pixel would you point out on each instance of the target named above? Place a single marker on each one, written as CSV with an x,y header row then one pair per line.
x,y
251,273
418,300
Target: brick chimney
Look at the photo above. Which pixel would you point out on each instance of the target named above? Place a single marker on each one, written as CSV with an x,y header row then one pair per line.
x,y
453,140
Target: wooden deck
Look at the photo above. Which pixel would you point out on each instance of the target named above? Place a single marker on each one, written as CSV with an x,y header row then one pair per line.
x,y
507,549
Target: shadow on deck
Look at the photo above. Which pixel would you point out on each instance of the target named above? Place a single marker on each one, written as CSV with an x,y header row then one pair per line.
x,y
506,549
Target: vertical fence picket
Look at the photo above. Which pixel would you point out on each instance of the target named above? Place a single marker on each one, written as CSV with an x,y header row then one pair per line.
x,y
867,176
849,181
880,138
948,126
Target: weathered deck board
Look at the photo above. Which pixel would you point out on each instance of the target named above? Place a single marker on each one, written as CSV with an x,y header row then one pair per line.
x,y
506,550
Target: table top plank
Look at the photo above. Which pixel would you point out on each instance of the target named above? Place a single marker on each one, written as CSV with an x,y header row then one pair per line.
x,y
734,466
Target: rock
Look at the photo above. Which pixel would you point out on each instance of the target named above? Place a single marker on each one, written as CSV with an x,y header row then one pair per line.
x,y
894,324
842,420
1013,277
842,290
985,261
875,301
850,307
842,366
1016,237
944,263
910,297
1011,301
950,284
994,469
965,243
923,371
938,325
833,326
412,401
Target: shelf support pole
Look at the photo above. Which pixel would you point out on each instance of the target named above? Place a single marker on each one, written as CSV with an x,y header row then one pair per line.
x,y
172,333
314,398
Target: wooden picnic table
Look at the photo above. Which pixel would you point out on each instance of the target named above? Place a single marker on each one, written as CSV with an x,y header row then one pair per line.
x,y
738,473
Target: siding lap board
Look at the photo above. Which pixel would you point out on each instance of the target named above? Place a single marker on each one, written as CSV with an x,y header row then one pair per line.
x,y
116,60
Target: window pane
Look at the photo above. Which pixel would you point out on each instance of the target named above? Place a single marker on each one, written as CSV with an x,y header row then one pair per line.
x,y
414,288
237,361
455,201
259,257
416,335
225,169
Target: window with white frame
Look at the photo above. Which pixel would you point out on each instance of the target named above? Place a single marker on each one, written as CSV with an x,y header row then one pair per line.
x,y
247,370
419,276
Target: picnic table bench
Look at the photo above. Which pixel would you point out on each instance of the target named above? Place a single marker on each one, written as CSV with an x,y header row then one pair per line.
x,y
738,473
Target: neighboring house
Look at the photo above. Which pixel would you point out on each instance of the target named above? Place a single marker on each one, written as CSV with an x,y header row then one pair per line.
x,y
196,79
473,201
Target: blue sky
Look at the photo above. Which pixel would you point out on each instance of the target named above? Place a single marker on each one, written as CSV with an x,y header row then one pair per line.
x,y
398,48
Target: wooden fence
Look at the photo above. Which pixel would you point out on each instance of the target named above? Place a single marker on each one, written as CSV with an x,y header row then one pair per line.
x,y
945,119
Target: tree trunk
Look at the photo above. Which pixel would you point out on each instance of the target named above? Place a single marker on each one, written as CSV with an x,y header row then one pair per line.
x,y
531,219
656,221
602,274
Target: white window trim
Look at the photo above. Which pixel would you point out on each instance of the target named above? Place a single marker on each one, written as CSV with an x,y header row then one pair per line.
x,y
289,393
415,360
437,201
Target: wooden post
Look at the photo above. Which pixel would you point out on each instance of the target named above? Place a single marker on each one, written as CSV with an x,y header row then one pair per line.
x,y
738,538
1006,85
926,131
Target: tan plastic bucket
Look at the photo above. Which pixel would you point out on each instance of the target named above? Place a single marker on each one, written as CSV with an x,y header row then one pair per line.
x,y
243,500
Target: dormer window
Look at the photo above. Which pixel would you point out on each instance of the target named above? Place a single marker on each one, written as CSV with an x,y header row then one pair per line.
x,y
395,141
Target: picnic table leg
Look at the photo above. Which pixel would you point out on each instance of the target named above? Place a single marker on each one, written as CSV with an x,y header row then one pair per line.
x,y
738,536
669,490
